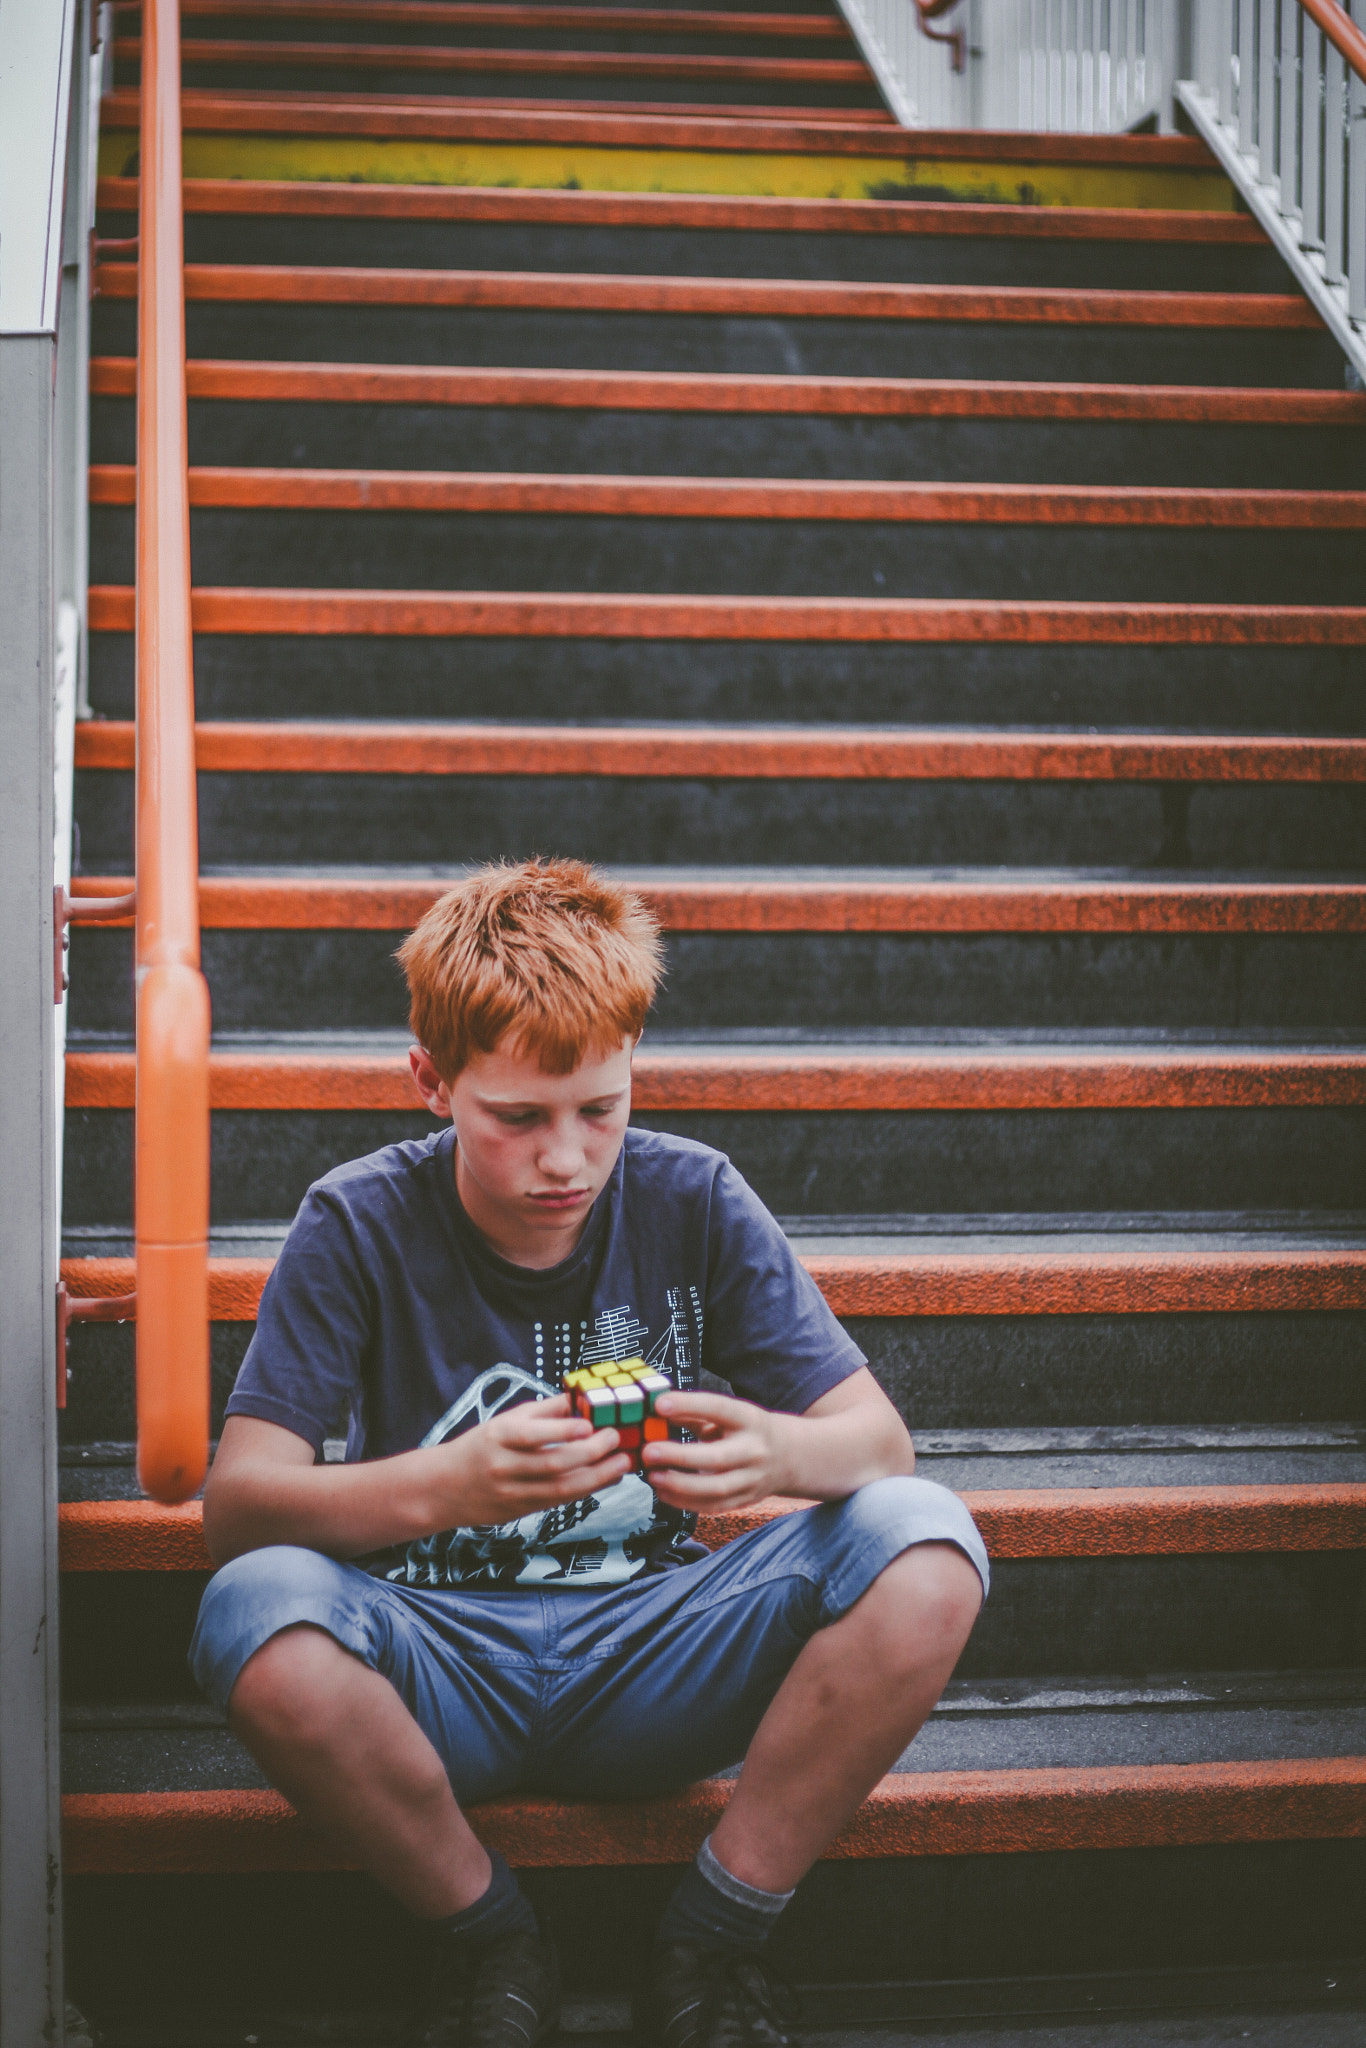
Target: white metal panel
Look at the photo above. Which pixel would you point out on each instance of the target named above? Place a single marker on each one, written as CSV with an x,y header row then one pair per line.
x,y
35,85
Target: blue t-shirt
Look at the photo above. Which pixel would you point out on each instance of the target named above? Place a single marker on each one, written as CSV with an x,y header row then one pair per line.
x,y
389,1314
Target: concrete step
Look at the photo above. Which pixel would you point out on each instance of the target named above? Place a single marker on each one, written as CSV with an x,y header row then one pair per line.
x,y
769,83
1007,1726
372,135
798,948
989,1460
557,320
739,553
315,657
1276,2007
448,21
275,221
399,418
1003,1322
843,1130
406,793
1085,1579
862,1163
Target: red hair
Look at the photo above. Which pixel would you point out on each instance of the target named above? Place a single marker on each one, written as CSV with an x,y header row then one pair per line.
x,y
548,954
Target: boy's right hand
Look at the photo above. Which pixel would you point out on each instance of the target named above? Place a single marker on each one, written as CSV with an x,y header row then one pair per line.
x,y
534,1456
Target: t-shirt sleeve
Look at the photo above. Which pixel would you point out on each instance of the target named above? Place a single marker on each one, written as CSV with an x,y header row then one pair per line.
x,y
768,1328
303,1366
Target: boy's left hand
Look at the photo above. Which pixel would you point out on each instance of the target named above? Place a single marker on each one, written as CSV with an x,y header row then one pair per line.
x,y
740,1456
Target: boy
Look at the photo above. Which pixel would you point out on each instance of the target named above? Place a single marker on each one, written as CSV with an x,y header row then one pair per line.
x,y
484,1595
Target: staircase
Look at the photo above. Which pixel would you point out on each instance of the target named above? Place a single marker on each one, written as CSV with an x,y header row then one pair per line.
x,y
931,568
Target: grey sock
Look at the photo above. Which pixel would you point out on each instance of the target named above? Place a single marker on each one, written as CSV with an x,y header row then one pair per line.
x,y
712,1909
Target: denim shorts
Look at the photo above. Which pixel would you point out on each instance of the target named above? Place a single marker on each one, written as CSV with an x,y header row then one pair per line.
x,y
615,1694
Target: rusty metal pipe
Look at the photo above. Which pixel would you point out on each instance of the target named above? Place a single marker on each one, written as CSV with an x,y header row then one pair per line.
x,y
171,1177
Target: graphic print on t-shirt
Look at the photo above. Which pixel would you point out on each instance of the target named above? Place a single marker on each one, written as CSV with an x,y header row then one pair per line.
x,y
602,1540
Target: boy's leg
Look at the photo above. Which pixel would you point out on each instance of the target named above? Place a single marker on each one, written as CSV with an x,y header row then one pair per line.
x,y
858,1693
309,1656
333,1736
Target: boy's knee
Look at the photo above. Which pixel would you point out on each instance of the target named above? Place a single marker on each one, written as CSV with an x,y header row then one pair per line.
x,y
255,1598
892,1517
281,1690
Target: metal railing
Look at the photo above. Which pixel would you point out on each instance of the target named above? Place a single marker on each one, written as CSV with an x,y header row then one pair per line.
x,y
1092,67
1276,88
1278,92
171,1174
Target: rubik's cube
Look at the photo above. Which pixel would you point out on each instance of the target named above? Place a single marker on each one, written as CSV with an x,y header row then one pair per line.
x,y
621,1395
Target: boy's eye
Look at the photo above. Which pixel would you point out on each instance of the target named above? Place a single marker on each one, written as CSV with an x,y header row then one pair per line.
x,y
518,1119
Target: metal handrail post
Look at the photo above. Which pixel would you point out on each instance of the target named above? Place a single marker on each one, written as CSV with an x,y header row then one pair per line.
x,y
171,1173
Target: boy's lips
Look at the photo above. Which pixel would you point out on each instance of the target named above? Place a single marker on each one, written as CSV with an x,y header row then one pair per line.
x,y
559,1198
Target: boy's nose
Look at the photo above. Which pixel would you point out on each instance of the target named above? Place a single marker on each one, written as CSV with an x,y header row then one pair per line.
x,y
561,1156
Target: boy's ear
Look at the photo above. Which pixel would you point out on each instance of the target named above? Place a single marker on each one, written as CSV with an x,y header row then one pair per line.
x,y
428,1081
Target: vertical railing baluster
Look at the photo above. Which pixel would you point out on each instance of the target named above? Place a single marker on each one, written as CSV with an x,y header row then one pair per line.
x,y
1247,88
1266,92
1017,115
1356,187
1223,57
1071,43
1130,60
1287,140
1086,113
1311,117
1334,116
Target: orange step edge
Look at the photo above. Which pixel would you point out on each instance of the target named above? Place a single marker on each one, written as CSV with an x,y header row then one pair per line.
x,y
690,497
442,614
991,902
1133,1521
1171,1280
939,1813
789,112
457,14
933,1079
705,210
720,392
514,62
278,113
791,298
362,747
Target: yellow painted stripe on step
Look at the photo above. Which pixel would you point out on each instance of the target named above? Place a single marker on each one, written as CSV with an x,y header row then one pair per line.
x,y
555,166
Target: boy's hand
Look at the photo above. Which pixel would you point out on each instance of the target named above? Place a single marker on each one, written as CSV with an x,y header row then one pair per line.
x,y
535,1456
740,1455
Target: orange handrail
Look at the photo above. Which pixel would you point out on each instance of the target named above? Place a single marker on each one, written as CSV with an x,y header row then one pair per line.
x,y
171,1176
1341,31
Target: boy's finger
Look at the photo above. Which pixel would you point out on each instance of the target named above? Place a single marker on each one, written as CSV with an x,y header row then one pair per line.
x,y
590,1450
722,1454
702,1490
546,1423
721,1409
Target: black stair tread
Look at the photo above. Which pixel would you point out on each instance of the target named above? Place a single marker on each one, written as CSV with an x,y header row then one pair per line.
x,y
1221,1718
778,1043
1276,2005
989,1460
728,876
1266,1231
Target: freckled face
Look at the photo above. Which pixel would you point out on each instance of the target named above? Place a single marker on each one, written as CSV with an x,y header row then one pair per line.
x,y
534,1150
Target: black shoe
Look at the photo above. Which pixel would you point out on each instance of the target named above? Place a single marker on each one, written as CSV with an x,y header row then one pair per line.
x,y
712,1998
504,1995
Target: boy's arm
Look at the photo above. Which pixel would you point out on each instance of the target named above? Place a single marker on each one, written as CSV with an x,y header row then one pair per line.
x,y
848,1437
265,1488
